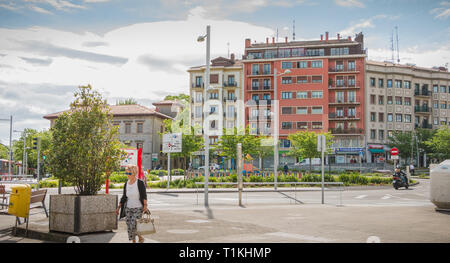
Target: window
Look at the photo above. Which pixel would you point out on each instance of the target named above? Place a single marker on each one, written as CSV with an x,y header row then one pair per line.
x,y
372,116
339,51
256,55
198,111
407,84
302,110
380,117
302,95
198,97
213,95
285,143
317,125
380,134
351,96
255,84
286,110
267,69
380,83
270,54
444,105
316,64
267,84
435,89
198,81
214,78
443,89
302,125
351,81
316,110
389,83
373,134
284,53
127,127
339,81
407,101
339,66
255,113
398,118
398,100
372,82
286,125
230,111
266,97
213,140
339,112
435,121
255,97
389,100
443,121
286,80
389,117
408,118
255,69
297,52
380,100
373,99
436,104
213,109
231,95
317,94
351,66
314,52
398,84
302,79
230,124
286,65
140,127
316,79
339,96
286,95
351,112
302,64
231,80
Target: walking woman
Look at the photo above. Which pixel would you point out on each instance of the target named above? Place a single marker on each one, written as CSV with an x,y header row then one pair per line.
x,y
133,202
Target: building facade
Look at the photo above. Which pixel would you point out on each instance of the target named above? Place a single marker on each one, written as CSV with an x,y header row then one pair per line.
x,y
139,127
320,87
402,98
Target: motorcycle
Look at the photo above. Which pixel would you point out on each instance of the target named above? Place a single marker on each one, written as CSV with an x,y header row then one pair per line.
x,y
398,182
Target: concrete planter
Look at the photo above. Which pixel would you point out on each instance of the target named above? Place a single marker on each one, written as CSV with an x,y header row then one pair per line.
x,y
83,214
440,186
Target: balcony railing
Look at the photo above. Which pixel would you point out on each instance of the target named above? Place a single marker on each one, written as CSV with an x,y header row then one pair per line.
x,y
425,109
230,84
229,99
303,54
344,85
343,116
259,72
197,85
423,126
343,69
353,100
422,93
346,131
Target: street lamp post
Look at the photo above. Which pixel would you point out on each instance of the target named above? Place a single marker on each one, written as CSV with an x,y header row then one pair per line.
x,y
205,125
23,153
10,142
276,124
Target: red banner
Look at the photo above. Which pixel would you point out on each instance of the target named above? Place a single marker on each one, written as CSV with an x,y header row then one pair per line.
x,y
139,164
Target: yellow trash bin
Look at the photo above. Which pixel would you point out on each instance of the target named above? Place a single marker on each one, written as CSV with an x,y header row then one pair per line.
x,y
19,200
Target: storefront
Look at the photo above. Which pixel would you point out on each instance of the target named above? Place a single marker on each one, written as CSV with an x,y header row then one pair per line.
x,y
377,153
347,155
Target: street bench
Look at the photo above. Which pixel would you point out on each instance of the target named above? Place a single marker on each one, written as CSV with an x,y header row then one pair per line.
x,y
39,197
3,196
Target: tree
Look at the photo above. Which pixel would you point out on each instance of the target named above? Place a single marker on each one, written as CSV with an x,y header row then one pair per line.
x,y
304,145
440,143
85,143
403,142
179,97
264,149
129,101
4,152
32,153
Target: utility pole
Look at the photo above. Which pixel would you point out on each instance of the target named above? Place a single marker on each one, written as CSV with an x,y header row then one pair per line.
x,y
10,143
239,171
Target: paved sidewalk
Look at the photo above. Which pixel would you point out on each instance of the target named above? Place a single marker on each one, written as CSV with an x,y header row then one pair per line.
x,y
281,223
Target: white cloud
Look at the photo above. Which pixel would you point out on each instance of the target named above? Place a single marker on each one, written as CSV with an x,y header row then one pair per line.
x,y
414,55
349,3
363,23
442,12
62,5
41,10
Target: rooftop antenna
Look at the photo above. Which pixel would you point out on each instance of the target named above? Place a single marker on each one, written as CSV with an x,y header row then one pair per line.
x,y
398,52
228,46
293,31
277,36
392,46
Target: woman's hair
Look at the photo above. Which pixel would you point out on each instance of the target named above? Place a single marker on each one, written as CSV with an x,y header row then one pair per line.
x,y
133,169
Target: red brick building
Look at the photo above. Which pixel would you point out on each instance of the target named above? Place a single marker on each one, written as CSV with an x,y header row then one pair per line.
x,y
324,90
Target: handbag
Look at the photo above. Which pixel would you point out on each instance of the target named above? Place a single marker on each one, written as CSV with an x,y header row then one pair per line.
x,y
145,225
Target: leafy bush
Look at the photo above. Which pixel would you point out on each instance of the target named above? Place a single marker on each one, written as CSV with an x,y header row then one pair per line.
x,y
311,178
152,177
379,180
118,178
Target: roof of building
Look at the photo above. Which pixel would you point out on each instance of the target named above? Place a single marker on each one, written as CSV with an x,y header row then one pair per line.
x,y
167,102
221,62
302,43
410,66
121,110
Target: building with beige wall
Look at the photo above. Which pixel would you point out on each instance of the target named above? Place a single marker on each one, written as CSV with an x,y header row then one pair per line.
x,y
402,98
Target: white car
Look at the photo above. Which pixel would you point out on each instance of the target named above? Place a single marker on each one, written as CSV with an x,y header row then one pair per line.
x,y
305,162
212,167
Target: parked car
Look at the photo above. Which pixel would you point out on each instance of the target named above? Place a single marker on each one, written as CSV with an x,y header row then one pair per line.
x,y
305,162
212,167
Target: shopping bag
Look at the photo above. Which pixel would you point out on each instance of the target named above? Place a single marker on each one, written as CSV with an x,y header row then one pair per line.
x,y
145,225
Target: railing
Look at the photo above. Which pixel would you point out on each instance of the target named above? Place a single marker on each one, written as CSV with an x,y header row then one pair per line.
x,y
344,85
334,115
422,93
423,126
195,85
262,56
228,99
230,84
259,73
346,131
334,100
422,109
343,69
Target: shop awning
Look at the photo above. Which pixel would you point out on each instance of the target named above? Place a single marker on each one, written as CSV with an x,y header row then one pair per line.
x,y
376,150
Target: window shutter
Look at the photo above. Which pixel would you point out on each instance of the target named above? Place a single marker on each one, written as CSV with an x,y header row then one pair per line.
x,y
294,95
214,78
294,79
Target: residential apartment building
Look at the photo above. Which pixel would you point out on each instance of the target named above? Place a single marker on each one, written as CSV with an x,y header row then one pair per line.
x,y
139,127
402,98
223,106
323,91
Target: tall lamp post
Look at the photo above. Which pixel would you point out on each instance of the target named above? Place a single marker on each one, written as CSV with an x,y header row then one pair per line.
x,y
10,142
276,124
205,125
23,153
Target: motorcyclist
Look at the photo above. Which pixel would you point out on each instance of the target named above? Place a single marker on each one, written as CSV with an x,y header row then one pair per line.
x,y
402,175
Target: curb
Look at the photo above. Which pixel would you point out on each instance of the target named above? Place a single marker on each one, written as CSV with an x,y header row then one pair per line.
x,y
32,234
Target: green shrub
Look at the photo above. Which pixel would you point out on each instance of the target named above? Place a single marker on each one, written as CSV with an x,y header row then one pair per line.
x,y
152,177
379,180
311,178
118,178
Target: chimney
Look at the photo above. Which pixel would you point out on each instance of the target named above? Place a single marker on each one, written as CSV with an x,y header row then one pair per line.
x,y
248,42
267,40
321,37
339,36
232,57
273,40
326,36
286,39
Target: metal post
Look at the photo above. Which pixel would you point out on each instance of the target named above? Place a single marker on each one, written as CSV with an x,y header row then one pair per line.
x,y
239,171
38,160
323,177
10,145
275,128
23,154
168,171
206,127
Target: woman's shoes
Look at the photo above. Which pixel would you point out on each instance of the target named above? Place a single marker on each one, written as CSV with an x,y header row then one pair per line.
x,y
141,240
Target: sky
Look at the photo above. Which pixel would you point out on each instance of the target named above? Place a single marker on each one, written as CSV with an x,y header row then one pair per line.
x,y
142,49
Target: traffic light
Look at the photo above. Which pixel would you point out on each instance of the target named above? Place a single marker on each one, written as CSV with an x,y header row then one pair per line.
x,y
36,143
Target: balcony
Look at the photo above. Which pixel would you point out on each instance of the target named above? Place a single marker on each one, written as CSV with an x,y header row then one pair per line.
x,y
334,116
259,73
423,126
343,69
346,131
424,93
230,84
198,85
229,99
422,109
344,85
344,101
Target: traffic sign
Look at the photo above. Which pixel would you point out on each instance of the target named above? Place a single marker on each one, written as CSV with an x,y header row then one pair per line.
x,y
394,151
172,143
394,157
